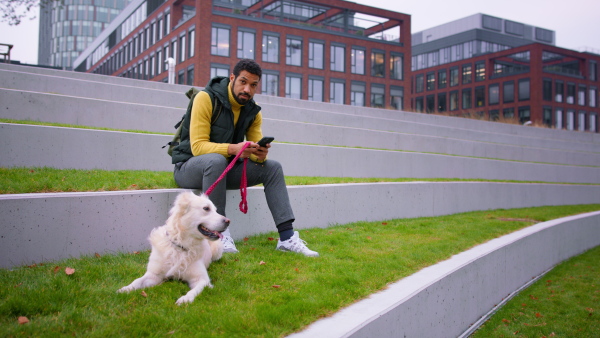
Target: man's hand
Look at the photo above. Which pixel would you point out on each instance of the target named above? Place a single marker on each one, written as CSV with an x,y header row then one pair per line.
x,y
261,152
235,148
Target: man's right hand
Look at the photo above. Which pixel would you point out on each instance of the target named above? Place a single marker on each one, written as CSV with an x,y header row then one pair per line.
x,y
234,148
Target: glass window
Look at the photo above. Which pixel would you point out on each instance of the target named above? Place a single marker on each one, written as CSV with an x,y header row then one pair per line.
x,y
508,113
453,100
442,79
559,118
181,77
559,91
190,76
378,64
547,90
431,81
523,89
524,114
570,93
480,96
245,45
593,97
441,105
337,59
466,98
592,122
377,96
357,61
219,41
430,104
581,121
270,83
467,74
547,116
357,94
293,87
293,51
480,71
219,70
315,89
270,48
336,92
191,43
315,55
494,115
581,95
182,46
419,83
397,98
453,76
419,104
570,120
396,62
494,94
593,71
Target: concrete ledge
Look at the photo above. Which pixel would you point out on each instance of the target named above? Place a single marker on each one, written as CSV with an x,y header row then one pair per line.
x,y
472,281
41,227
38,146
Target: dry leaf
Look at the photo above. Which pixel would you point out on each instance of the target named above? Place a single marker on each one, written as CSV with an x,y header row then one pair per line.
x,y
57,269
262,263
23,320
246,239
144,294
537,314
276,286
69,271
271,238
384,223
16,286
98,255
297,270
368,237
136,252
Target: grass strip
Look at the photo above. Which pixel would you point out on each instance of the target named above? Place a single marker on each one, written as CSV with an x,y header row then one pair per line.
x,y
563,303
259,292
21,180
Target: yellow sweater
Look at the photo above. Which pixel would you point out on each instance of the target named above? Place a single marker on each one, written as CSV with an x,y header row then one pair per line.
x,y
202,110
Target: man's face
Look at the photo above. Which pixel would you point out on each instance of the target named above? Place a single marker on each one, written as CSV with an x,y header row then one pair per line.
x,y
244,86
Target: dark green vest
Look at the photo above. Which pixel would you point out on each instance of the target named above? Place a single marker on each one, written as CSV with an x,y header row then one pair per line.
x,y
222,129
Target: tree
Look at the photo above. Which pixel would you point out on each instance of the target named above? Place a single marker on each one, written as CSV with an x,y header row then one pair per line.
x,y
14,11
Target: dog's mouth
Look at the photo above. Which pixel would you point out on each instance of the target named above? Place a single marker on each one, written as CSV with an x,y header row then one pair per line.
x,y
213,235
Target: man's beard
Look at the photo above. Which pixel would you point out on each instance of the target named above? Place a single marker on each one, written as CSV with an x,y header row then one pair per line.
x,y
241,100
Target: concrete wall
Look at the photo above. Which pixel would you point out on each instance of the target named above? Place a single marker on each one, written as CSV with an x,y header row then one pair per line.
x,y
443,300
27,145
41,227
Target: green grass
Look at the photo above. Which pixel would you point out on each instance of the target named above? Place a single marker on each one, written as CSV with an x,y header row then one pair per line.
x,y
39,180
563,303
356,260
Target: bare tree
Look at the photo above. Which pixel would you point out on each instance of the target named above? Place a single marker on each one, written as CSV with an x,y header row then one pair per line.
x,y
14,11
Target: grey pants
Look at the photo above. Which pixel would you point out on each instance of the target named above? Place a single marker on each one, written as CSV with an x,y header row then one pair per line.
x,y
200,172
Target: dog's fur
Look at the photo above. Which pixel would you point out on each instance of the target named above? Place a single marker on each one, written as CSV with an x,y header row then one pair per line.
x,y
185,246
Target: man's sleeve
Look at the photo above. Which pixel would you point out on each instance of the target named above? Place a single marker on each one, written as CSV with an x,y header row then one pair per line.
x,y
200,128
254,133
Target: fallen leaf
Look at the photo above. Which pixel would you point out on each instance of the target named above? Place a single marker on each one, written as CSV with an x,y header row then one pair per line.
x,y
57,269
297,270
69,271
384,223
276,286
368,237
246,239
136,252
16,286
505,321
144,294
537,314
23,320
533,297
271,239
98,255
262,263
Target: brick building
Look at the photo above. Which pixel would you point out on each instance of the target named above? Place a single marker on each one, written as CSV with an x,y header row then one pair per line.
x,y
331,51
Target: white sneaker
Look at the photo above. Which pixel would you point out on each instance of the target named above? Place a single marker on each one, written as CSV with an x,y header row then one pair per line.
x,y
295,244
228,244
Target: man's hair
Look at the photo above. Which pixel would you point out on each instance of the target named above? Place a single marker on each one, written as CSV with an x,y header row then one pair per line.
x,y
248,65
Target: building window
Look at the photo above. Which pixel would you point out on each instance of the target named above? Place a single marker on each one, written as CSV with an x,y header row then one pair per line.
x,y
480,71
581,121
337,58
192,43
592,122
570,93
480,96
441,105
508,113
190,76
270,48
419,83
357,94
431,81
467,74
419,104
315,89
377,96
357,60
593,97
219,70
174,50
181,77
293,51
494,115
220,41
336,91
397,97
466,99
293,87
453,76
494,94
378,63
524,114
581,95
430,104
182,46
442,79
570,120
559,91
315,54
593,71
547,90
559,118
396,69
523,89
270,84
547,116
453,100
245,44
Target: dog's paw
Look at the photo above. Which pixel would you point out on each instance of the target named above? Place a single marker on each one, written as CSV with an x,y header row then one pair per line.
x,y
184,299
124,289
210,285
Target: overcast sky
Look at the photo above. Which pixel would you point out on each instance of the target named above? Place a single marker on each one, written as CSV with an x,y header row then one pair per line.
x,y
575,22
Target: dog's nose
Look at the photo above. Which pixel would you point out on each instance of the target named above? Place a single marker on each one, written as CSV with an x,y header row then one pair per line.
x,y
227,221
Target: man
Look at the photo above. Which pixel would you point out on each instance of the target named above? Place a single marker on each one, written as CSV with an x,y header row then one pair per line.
x,y
209,142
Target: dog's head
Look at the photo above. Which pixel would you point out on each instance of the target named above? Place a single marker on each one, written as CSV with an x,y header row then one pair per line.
x,y
197,216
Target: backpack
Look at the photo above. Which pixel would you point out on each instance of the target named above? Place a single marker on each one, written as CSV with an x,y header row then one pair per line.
x,y
191,94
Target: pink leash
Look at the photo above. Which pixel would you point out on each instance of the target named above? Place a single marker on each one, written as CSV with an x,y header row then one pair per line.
x,y
243,182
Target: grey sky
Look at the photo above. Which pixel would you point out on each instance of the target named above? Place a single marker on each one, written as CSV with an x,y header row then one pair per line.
x,y
576,22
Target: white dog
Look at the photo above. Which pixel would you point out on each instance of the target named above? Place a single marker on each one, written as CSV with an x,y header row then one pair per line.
x,y
185,246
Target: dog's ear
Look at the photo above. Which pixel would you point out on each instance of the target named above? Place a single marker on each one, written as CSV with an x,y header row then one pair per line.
x,y
182,203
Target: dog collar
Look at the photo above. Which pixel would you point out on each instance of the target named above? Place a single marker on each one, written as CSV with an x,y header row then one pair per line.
x,y
177,245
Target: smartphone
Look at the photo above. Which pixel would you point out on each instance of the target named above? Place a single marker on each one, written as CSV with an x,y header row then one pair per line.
x,y
265,140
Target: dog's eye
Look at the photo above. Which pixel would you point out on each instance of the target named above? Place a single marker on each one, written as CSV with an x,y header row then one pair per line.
x,y
206,208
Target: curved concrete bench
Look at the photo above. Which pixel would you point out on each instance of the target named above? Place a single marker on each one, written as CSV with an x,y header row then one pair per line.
x,y
445,299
